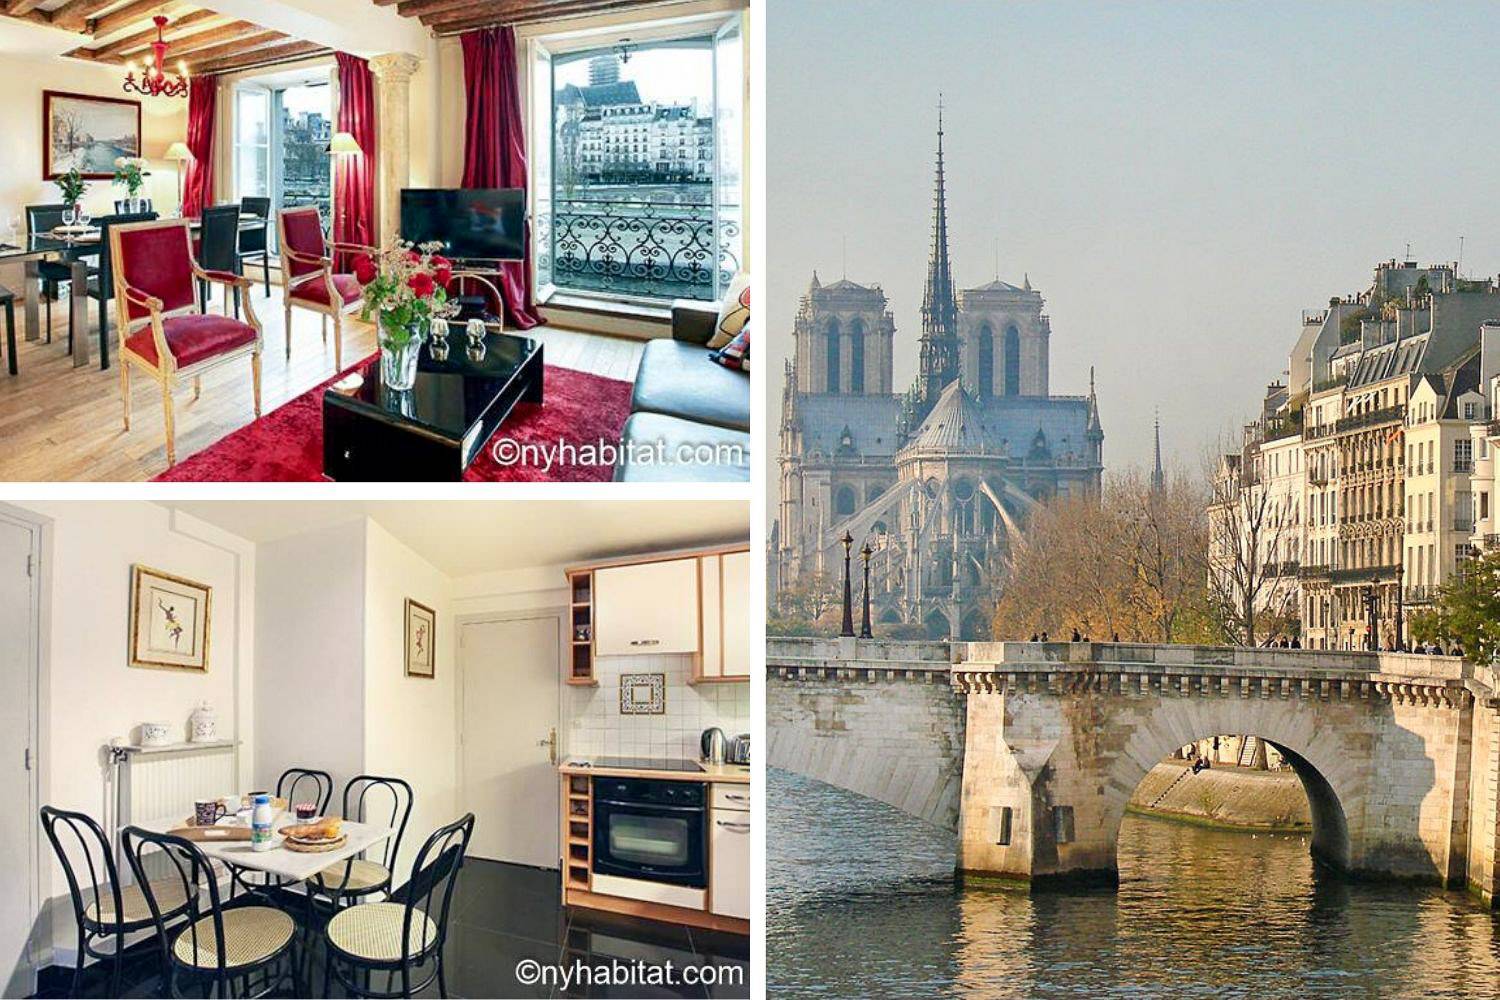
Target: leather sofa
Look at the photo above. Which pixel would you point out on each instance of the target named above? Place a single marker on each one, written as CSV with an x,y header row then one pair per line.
x,y
689,417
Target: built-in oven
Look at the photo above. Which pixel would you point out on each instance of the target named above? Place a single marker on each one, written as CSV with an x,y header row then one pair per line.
x,y
652,830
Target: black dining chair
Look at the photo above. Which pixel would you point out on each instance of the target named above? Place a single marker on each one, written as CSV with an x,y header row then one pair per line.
x,y
102,907
102,279
369,798
319,784
140,205
406,933
256,242
8,300
54,274
234,949
219,250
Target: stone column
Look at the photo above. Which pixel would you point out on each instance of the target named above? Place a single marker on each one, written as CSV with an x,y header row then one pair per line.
x,y
393,72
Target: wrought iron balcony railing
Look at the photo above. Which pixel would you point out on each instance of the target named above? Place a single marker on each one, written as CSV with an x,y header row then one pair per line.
x,y
1374,418
638,248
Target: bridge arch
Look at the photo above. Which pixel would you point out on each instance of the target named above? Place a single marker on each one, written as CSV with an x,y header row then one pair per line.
x,y
1330,824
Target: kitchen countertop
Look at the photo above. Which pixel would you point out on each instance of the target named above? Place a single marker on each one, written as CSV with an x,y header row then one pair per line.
x,y
727,773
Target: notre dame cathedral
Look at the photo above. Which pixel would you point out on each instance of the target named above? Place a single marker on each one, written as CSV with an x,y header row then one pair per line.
x,y
939,479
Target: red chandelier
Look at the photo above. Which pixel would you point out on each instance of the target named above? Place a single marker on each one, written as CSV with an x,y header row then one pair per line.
x,y
154,81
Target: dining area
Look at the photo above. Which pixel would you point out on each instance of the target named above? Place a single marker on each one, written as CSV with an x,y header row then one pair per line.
x,y
64,253
290,890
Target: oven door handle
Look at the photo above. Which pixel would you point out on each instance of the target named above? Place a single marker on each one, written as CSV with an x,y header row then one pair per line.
x,y
654,808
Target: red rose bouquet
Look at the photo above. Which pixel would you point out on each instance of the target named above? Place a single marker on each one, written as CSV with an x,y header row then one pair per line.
x,y
407,286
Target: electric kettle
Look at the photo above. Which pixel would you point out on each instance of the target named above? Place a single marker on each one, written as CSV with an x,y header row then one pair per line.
x,y
714,745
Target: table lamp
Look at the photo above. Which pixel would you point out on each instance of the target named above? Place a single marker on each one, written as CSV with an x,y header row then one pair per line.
x,y
178,151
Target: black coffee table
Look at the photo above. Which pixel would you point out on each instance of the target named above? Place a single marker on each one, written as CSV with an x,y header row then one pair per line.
x,y
433,431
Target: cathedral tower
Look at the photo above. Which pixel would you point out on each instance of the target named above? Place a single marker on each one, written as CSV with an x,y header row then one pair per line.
x,y
939,357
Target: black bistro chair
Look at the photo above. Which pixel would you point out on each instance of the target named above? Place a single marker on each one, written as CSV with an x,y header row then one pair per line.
x,y
366,939
219,250
102,907
243,949
366,798
317,786
102,280
8,300
255,243
42,219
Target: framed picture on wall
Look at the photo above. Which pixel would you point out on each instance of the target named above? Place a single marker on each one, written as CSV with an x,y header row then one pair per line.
x,y
421,636
87,132
169,621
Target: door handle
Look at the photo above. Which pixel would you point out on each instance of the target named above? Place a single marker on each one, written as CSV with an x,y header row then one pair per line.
x,y
550,743
645,642
736,827
732,797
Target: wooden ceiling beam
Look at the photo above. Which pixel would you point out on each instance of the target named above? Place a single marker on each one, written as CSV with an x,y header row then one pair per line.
x,y
528,12
411,8
74,14
130,14
176,33
16,8
260,39
263,57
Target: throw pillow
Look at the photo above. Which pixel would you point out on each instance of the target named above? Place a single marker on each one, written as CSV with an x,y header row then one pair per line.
x,y
734,310
736,353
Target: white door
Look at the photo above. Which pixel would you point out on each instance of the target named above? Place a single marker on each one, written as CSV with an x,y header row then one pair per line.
x,y
17,698
508,711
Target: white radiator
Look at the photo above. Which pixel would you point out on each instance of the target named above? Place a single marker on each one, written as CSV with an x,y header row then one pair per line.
x,y
163,783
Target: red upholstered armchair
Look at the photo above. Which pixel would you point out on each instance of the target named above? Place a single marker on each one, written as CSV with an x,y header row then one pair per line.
x,y
162,329
308,278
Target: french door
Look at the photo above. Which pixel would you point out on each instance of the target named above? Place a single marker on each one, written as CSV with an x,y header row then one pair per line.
x,y
20,554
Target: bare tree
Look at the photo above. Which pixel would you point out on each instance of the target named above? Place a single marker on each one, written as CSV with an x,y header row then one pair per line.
x,y
1248,528
1166,545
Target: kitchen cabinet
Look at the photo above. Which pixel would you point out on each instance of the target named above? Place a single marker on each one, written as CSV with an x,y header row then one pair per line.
x,y
729,853
648,607
724,583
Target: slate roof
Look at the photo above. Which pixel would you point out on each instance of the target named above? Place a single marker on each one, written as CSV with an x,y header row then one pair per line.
x,y
601,95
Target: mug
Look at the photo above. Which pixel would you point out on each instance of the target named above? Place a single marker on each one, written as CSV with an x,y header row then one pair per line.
x,y
306,810
206,812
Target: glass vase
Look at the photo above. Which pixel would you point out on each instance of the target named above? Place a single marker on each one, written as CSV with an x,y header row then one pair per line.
x,y
400,348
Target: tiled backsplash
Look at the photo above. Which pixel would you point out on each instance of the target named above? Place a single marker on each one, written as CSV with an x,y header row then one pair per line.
x,y
596,727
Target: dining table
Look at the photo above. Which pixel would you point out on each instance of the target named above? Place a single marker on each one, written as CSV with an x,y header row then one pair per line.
x,y
31,249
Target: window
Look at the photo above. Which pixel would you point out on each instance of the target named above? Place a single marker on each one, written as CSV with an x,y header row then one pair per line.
x,y
637,195
856,356
986,364
1463,455
843,501
1002,825
1012,361
1062,824
281,137
833,356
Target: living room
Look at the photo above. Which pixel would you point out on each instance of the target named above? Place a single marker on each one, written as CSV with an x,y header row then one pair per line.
x,y
233,179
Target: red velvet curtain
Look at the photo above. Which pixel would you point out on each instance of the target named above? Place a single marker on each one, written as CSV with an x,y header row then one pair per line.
x,y
198,185
495,147
354,174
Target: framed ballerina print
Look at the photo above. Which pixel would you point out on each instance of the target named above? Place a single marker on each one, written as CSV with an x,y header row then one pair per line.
x,y
421,634
169,621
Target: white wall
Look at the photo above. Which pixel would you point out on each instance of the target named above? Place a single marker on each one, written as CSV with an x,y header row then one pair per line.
x,y
309,676
410,722
22,80
89,695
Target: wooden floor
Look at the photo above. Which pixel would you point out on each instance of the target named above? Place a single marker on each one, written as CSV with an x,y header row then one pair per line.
x,y
60,423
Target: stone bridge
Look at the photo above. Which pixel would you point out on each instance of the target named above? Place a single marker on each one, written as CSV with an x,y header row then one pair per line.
x,y
1031,751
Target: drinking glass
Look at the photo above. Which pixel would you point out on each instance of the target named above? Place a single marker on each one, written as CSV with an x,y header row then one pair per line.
x,y
70,216
84,216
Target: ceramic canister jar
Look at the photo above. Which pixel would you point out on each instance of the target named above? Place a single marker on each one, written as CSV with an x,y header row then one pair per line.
x,y
205,723
155,734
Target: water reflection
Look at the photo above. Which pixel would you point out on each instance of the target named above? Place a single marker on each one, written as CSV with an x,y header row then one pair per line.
x,y
862,903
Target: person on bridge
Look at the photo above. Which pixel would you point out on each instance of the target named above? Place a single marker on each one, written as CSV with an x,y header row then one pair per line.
x,y
1076,636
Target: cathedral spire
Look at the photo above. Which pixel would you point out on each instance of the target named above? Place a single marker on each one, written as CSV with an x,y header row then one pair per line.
x,y
1158,478
939,355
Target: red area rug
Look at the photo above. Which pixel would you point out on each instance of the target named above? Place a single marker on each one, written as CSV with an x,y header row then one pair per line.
x,y
586,412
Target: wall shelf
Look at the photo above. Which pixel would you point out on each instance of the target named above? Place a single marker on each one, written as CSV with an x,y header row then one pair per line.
x,y
581,629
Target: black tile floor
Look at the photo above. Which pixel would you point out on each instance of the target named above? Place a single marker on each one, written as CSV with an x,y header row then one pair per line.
x,y
504,915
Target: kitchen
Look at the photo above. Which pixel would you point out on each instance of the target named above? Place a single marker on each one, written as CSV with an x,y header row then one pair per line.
x,y
503,659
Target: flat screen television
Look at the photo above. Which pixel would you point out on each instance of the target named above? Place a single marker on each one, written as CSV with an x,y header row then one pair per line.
x,y
471,223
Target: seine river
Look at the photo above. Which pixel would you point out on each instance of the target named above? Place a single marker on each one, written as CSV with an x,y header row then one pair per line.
x,y
862,903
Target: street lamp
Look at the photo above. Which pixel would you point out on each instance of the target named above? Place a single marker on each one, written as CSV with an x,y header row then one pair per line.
x,y
848,625
1372,613
1400,610
864,626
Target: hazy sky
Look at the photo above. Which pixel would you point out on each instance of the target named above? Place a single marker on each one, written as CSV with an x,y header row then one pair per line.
x,y
1180,180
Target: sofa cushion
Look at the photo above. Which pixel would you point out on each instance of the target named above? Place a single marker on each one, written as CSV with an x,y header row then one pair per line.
x,y
316,290
662,449
677,379
734,310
